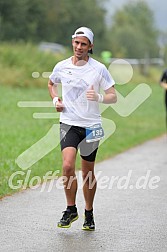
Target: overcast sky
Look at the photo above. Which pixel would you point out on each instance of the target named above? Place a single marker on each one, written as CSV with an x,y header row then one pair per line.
x,y
159,8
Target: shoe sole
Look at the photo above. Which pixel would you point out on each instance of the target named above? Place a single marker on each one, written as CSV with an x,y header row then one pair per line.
x,y
68,226
88,229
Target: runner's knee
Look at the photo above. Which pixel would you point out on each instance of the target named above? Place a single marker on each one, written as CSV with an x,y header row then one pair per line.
x,y
68,169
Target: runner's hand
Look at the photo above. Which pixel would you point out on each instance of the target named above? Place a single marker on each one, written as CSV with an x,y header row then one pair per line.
x,y
59,105
92,95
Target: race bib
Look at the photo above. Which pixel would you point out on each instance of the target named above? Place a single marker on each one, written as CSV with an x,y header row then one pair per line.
x,y
94,133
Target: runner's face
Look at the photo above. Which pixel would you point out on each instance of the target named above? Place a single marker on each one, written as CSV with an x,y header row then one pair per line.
x,y
81,46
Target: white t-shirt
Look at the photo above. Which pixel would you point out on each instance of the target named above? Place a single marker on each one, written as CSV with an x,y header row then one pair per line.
x,y
75,81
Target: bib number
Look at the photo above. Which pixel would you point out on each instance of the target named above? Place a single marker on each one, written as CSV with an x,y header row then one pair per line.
x,y
94,133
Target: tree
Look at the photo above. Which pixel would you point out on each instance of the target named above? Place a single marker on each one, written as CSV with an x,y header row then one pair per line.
x,y
67,16
51,20
133,32
21,20
163,45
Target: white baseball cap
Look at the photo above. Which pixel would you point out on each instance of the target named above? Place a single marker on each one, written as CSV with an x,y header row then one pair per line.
x,y
85,32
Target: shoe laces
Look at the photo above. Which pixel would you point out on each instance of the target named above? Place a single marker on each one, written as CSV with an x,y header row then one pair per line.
x,y
89,218
66,214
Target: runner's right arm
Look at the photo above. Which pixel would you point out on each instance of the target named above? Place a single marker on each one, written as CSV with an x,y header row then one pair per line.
x,y
53,91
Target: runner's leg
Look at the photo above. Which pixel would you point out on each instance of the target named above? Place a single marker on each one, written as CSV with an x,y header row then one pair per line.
x,y
70,182
89,183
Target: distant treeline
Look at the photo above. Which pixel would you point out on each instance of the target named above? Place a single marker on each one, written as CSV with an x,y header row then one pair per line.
x,y
50,20
131,32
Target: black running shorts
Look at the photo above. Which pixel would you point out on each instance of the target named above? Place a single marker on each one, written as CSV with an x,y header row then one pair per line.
x,y
74,136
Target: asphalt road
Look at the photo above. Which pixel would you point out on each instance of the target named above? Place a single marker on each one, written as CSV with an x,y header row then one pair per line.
x,y
130,209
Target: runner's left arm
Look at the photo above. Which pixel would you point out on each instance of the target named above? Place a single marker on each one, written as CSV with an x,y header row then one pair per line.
x,y
110,96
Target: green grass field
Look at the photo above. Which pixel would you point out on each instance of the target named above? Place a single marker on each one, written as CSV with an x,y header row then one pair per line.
x,y
19,130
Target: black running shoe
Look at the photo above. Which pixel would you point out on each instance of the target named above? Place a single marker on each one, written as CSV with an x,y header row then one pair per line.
x,y
67,218
89,223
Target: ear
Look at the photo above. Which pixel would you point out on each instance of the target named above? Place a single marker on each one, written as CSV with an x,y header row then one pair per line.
x,y
91,47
